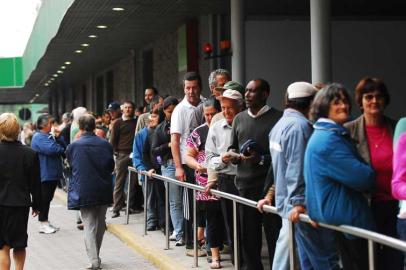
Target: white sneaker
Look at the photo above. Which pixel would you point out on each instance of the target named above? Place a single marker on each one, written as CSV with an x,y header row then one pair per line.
x,y
179,243
54,227
172,237
45,228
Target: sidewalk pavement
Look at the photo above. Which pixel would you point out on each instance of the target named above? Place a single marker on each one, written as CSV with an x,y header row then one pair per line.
x,y
152,246
65,250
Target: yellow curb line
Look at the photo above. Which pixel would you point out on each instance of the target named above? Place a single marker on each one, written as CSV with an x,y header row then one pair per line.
x,y
135,242
141,246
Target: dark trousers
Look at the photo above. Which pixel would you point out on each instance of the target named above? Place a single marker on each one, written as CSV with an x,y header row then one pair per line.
x,y
385,215
188,223
353,252
47,194
136,194
401,228
226,184
156,203
251,231
214,227
136,197
201,210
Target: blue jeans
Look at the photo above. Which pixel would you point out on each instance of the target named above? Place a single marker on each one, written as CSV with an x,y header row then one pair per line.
x,y
317,248
175,200
281,257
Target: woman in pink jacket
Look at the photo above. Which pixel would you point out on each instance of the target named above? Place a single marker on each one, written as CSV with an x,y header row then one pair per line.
x,y
399,177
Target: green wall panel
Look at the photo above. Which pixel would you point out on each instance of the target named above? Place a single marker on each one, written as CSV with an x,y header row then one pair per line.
x,y
11,72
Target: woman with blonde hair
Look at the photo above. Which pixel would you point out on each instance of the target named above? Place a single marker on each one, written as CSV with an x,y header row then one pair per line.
x,y
20,188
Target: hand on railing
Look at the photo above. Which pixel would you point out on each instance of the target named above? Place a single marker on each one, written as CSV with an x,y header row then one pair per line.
x,y
180,174
261,203
150,172
295,214
209,186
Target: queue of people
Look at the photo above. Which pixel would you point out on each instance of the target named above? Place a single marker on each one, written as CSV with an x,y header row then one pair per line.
x,y
309,159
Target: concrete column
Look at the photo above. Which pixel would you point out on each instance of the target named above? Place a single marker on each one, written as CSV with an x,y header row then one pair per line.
x,y
213,41
237,41
220,36
320,40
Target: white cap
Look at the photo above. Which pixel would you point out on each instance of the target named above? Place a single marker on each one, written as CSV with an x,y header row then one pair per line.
x,y
301,90
232,94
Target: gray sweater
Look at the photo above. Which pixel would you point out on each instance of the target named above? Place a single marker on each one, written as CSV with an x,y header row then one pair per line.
x,y
244,128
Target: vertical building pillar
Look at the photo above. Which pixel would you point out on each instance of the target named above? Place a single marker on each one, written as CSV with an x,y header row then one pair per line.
x,y
237,41
212,40
220,37
320,28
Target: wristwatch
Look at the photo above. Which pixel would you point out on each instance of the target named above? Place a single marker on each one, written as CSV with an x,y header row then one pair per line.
x,y
261,162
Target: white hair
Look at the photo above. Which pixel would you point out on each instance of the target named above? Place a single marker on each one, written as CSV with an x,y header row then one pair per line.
x,y
213,75
78,112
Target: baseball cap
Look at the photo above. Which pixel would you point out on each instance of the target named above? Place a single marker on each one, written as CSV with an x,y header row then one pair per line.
x,y
113,106
301,90
233,85
231,94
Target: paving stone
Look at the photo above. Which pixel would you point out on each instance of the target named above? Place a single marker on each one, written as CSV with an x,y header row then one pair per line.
x,y
65,250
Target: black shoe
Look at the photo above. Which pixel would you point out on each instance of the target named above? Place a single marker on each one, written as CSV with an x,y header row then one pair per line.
x,y
141,209
151,229
134,211
115,214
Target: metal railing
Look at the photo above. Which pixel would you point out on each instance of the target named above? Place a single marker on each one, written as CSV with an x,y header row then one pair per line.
x,y
372,237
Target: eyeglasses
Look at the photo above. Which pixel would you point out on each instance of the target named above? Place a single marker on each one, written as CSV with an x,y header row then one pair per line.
x,y
370,97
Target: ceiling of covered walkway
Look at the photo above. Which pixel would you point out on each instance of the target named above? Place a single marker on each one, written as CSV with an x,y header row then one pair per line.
x,y
141,22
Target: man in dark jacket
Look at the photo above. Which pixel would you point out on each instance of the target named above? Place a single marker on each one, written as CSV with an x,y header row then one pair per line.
x,y
90,191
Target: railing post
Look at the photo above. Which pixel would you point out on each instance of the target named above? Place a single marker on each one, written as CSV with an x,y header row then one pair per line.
x,y
167,214
127,208
196,261
235,236
292,248
145,203
371,255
